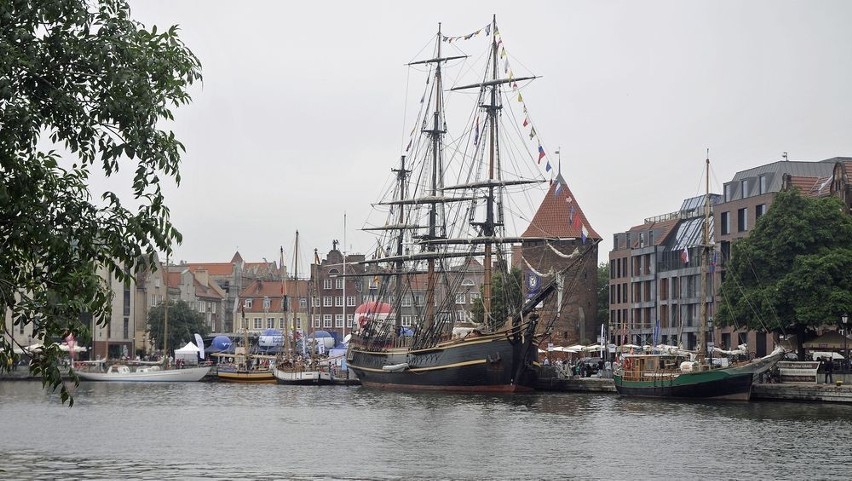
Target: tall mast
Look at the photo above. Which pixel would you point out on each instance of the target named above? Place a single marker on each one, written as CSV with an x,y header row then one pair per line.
x,y
436,134
401,175
293,305
702,281
488,225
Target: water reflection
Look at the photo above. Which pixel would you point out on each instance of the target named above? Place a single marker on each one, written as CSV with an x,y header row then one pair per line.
x,y
227,431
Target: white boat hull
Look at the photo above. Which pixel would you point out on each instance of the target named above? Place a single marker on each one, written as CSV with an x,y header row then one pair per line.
x,y
191,374
284,376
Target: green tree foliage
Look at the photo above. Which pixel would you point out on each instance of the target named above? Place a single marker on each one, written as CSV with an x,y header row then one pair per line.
x,y
183,323
603,293
506,299
82,86
794,271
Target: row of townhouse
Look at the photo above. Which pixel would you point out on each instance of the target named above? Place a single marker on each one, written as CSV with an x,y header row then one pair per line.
x,y
654,283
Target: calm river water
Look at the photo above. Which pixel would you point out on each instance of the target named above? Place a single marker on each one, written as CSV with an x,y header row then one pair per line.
x,y
225,431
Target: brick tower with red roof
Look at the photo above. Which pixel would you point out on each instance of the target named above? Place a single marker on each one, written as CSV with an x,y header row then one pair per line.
x,y
560,217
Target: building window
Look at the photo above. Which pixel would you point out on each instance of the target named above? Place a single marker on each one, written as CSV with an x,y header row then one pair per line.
x,y
474,296
726,223
406,301
338,283
326,301
350,301
460,298
202,307
406,321
326,284
743,189
350,321
762,184
461,316
303,303
317,321
759,210
247,304
126,328
326,320
270,323
299,323
742,220
213,308
418,300
258,323
315,302
338,301
126,301
338,320
728,195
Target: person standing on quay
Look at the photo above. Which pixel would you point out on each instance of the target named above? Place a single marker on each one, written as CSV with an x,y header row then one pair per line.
x,y
829,369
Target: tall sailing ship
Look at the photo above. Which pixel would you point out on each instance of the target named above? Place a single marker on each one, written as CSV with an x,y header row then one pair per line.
x,y
447,215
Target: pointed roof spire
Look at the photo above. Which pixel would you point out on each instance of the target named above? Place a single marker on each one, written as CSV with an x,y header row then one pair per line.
x,y
560,215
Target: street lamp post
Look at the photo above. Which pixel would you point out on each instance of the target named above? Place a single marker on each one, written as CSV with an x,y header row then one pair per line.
x,y
845,319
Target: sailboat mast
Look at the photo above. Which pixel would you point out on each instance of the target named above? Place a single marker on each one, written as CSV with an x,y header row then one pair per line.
x,y
294,304
488,225
437,171
401,175
702,290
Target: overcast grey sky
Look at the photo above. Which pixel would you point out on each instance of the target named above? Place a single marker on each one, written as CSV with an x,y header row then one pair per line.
x,y
300,116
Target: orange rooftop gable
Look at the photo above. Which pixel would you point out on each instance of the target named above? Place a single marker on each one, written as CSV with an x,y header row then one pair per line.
x,y
560,215
218,269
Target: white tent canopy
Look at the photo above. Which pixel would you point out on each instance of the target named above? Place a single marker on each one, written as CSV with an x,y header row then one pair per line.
x,y
190,347
188,353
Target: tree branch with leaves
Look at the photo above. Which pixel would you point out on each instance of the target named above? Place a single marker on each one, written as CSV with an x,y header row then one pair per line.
x,y
82,86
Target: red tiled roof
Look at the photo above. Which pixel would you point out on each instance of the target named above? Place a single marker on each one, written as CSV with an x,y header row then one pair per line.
x,y
220,269
172,278
665,227
273,289
210,292
804,184
553,218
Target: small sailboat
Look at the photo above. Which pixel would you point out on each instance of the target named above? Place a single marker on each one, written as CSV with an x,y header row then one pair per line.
x,y
142,371
674,373
290,368
448,214
145,373
244,366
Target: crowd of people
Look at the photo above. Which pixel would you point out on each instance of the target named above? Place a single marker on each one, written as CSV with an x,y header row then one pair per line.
x,y
586,367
